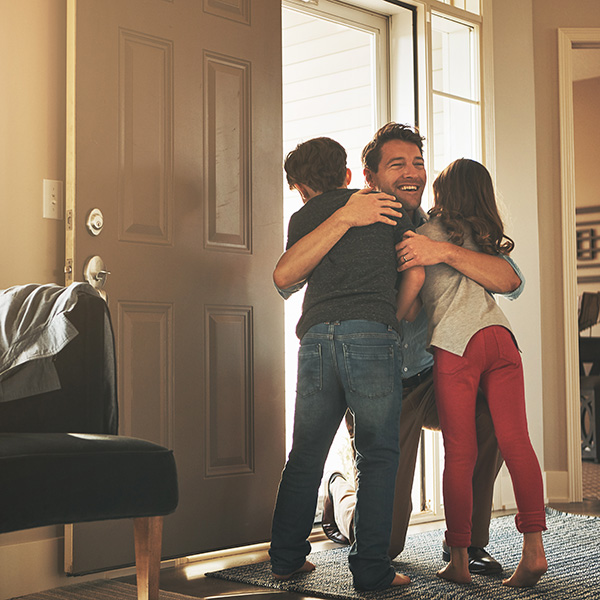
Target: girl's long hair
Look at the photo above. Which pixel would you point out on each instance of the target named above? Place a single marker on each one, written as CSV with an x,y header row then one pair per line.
x,y
465,201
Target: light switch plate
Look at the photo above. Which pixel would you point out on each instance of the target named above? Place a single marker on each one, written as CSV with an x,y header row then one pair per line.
x,y
53,199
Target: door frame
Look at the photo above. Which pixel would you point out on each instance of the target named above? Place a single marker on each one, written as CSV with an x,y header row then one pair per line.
x,y
569,39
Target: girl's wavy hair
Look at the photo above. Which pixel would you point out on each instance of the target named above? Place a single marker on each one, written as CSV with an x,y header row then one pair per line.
x,y
465,199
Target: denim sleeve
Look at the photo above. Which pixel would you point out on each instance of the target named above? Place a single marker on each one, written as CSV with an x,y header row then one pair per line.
x,y
515,293
285,294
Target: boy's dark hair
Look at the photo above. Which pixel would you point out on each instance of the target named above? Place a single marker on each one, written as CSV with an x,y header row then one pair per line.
x,y
371,155
319,163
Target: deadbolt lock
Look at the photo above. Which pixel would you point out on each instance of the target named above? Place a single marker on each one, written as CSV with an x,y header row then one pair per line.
x,y
95,221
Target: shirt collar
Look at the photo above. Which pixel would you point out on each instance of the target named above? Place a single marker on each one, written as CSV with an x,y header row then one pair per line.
x,y
419,217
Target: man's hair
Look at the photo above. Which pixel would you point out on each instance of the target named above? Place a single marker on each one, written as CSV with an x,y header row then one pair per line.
x,y
319,163
371,155
465,200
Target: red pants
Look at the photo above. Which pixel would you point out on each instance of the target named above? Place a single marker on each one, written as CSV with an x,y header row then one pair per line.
x,y
491,362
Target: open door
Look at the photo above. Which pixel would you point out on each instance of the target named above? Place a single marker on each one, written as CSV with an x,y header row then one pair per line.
x,y
174,136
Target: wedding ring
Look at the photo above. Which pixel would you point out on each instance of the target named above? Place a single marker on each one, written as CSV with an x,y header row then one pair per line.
x,y
404,258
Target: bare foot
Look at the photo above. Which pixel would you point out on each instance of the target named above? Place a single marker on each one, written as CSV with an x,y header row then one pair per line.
x,y
457,569
450,573
305,568
528,572
400,580
533,563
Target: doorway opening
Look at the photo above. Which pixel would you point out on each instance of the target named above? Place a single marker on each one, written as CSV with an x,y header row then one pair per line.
x,y
586,86
334,85
346,71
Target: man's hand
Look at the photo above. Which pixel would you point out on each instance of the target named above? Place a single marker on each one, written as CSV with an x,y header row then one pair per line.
x,y
417,250
490,271
366,207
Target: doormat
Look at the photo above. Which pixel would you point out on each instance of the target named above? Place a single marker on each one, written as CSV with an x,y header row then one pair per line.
x,y
572,545
102,589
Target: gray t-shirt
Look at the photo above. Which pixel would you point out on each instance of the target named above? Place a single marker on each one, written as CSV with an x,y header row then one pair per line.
x,y
457,307
357,278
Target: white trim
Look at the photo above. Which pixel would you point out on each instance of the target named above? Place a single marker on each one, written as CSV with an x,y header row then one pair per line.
x,y
488,118
567,39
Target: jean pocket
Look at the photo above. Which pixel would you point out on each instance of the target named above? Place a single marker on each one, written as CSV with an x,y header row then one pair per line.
x,y
508,350
370,369
310,369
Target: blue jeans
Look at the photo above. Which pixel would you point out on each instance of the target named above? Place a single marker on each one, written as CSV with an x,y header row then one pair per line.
x,y
356,365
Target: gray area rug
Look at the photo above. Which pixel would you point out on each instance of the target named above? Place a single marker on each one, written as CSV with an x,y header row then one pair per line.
x,y
103,589
572,545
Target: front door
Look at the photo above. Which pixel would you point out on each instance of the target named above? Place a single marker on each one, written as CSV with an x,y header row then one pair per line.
x,y
175,136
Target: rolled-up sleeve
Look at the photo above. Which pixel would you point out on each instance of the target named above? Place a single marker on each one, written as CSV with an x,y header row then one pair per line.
x,y
515,293
285,294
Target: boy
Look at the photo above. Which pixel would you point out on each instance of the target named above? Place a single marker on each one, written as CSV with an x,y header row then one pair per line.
x,y
349,357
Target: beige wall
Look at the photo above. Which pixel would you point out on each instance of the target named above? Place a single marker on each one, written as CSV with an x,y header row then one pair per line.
x,y
547,18
516,188
586,117
32,131
586,122
32,148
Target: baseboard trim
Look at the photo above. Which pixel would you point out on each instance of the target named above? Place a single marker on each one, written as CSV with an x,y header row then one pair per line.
x,y
557,486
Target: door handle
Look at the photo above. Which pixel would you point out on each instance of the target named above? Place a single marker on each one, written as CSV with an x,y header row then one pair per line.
x,y
95,273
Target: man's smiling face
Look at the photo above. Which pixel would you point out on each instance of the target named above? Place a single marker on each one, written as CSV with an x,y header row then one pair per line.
x,y
401,173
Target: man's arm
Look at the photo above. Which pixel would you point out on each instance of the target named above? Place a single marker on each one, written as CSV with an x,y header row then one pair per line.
x,y
408,304
363,208
494,273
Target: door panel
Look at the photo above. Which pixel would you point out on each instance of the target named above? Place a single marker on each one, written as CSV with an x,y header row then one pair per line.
x,y
175,134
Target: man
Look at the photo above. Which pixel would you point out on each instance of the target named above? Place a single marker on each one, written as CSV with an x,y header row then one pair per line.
x,y
393,164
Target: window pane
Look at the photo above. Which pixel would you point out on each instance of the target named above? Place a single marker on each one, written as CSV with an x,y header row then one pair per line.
x,y
456,132
453,58
328,84
473,6
470,5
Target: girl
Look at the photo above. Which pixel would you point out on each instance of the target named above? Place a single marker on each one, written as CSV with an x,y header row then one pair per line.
x,y
473,347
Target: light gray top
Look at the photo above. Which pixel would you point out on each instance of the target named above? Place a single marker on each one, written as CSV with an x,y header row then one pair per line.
x,y
33,329
457,307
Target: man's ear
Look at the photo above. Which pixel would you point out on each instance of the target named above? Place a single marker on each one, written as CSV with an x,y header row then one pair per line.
x,y
369,178
348,177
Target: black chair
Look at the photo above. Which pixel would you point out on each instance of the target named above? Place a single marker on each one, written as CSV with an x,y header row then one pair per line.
x,y
62,462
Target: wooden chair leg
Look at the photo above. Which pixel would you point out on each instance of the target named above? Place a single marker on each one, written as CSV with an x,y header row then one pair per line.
x,y
148,541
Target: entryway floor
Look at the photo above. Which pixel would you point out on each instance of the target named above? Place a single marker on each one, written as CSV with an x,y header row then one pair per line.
x,y
190,579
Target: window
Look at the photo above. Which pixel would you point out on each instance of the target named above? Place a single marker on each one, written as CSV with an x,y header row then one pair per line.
x,y
456,110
